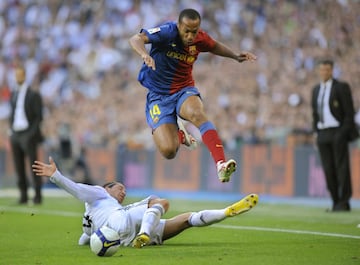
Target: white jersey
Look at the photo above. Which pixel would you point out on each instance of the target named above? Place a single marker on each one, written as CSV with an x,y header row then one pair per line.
x,y
102,209
99,204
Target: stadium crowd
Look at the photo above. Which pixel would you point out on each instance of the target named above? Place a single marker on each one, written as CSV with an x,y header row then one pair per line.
x,y
77,54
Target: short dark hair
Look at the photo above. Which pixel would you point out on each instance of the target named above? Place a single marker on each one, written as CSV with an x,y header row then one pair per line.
x,y
189,13
327,62
109,184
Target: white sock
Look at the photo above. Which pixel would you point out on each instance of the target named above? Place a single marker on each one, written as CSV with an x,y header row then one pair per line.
x,y
151,218
206,217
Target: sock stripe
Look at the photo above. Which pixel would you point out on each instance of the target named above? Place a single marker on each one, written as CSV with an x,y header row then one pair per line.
x,y
206,126
159,207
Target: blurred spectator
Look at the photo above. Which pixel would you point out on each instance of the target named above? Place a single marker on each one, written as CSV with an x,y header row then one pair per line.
x,y
81,171
77,53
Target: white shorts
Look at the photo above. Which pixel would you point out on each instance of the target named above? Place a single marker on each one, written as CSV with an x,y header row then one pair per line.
x,y
127,222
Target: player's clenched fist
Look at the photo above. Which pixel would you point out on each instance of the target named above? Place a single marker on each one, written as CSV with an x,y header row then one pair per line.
x,y
149,61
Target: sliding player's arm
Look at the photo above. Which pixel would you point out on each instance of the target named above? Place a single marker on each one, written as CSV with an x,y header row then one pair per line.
x,y
83,192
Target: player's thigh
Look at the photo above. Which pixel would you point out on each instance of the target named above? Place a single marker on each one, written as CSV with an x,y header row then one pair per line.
x,y
166,137
176,225
135,211
192,109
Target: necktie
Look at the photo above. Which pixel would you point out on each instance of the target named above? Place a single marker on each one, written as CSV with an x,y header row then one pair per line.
x,y
321,105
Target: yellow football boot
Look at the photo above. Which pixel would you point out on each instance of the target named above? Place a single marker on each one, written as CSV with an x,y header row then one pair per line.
x,y
242,206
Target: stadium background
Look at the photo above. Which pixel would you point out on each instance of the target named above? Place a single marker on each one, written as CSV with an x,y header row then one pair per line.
x,y
77,55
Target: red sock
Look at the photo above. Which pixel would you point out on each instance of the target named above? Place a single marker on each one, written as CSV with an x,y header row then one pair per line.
x,y
181,135
212,140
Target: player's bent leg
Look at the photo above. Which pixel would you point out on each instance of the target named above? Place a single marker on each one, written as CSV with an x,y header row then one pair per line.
x,y
164,203
186,138
167,140
151,219
192,109
242,206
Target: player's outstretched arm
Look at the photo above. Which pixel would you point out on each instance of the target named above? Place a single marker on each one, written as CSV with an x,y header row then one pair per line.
x,y
137,43
224,51
42,169
83,192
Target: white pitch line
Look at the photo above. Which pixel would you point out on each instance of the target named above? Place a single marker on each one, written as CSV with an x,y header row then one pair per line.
x,y
253,228
31,210
289,231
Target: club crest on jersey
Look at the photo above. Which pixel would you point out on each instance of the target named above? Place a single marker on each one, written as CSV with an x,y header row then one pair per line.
x,y
154,30
192,49
156,119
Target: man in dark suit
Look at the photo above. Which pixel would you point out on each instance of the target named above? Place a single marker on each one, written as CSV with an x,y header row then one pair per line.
x,y
333,123
25,120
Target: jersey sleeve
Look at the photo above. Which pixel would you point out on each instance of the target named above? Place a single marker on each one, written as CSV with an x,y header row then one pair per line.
x,y
83,192
162,33
207,43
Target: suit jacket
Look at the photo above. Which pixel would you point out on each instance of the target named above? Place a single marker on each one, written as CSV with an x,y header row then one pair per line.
x,y
33,110
341,107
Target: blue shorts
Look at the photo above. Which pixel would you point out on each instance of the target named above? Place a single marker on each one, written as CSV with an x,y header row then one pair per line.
x,y
161,109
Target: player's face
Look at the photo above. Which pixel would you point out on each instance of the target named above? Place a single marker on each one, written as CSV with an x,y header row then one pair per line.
x,y
188,29
117,190
325,72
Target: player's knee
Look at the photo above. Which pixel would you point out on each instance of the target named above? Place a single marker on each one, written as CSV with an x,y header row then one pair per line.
x,y
168,152
163,202
197,116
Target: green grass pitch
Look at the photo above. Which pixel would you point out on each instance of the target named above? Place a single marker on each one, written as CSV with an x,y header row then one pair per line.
x,y
268,234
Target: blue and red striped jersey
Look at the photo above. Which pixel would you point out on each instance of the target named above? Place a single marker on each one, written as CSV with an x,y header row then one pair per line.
x,y
173,61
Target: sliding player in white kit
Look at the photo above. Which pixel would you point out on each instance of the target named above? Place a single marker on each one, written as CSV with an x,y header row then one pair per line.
x,y
140,223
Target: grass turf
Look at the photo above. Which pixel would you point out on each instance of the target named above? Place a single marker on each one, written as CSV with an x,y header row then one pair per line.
x,y
48,234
